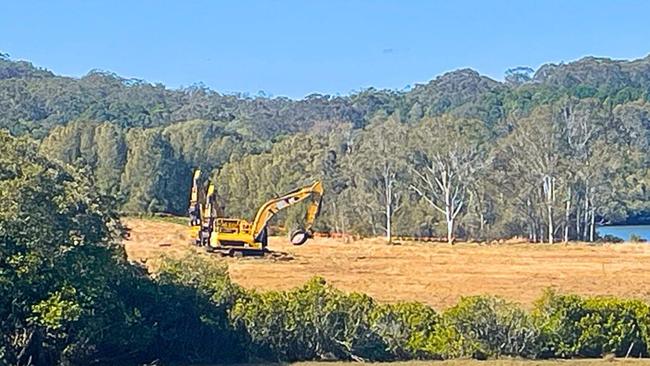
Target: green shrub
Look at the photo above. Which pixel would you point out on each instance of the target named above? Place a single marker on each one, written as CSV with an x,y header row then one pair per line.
x,y
311,322
609,238
405,328
193,298
636,238
177,315
573,326
484,326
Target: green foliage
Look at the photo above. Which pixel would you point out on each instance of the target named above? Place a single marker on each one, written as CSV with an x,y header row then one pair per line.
x,y
482,327
573,326
636,238
583,126
406,328
152,174
188,312
519,75
59,258
244,185
312,322
70,297
99,148
610,239
377,170
209,144
57,310
319,322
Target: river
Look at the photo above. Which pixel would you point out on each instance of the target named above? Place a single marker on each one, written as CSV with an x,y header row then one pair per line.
x,y
624,231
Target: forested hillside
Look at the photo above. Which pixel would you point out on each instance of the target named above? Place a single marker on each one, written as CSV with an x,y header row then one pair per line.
x,y
545,155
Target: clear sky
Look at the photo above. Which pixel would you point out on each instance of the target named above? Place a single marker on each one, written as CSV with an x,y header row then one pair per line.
x,y
294,48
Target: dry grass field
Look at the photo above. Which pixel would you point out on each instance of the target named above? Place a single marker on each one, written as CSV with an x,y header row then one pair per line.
x,y
437,274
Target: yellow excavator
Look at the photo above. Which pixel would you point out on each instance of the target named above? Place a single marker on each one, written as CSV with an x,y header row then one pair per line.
x,y
237,237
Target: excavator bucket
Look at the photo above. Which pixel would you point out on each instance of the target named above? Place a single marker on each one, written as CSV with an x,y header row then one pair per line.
x,y
299,237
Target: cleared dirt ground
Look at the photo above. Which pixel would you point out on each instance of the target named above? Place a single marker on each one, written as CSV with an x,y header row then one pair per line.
x,y
437,274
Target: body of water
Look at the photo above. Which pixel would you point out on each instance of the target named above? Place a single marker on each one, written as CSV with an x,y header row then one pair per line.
x,y
624,231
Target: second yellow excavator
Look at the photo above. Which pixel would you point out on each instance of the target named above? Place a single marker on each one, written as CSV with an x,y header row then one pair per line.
x,y
237,237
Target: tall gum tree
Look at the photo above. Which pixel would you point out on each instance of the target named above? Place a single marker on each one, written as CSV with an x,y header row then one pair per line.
x,y
448,153
377,164
536,169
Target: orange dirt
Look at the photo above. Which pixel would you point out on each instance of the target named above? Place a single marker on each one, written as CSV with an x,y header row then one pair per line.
x,y
437,274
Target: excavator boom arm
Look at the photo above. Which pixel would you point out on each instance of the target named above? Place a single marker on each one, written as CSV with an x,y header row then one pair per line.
x,y
194,197
195,207
270,208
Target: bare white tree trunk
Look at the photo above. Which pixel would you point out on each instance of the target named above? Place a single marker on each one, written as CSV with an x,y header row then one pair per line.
x,y
586,213
449,215
567,215
389,231
450,230
549,191
550,224
391,201
578,226
389,215
442,192
593,224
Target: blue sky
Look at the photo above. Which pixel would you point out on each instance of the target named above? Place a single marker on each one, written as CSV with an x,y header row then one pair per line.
x,y
294,48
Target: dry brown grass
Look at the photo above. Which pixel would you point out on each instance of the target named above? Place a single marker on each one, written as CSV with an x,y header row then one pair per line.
x,y
437,274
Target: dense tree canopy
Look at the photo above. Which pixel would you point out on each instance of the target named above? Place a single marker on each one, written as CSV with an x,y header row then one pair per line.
x,y
559,150
59,258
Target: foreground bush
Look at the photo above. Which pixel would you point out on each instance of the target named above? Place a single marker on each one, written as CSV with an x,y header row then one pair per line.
x,y
573,326
317,321
60,261
482,327
406,329
185,310
311,322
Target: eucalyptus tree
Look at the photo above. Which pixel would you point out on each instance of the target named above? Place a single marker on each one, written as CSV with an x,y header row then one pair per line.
x,y
584,122
378,171
448,152
535,169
